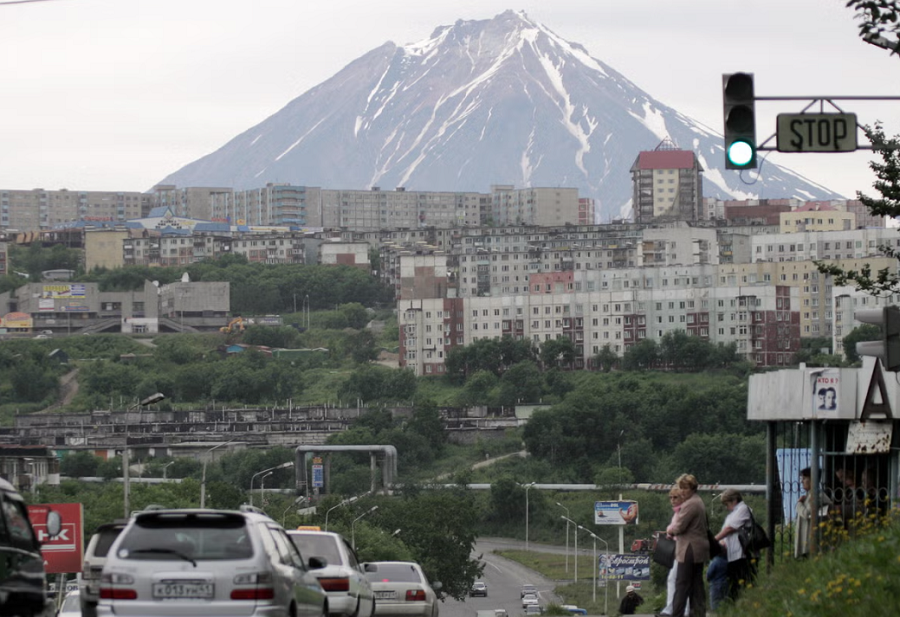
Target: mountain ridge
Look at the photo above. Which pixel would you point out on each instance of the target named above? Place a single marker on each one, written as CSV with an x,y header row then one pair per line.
x,y
480,102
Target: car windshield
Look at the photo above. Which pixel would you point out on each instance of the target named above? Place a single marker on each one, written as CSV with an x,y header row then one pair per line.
x,y
105,538
395,573
315,545
187,536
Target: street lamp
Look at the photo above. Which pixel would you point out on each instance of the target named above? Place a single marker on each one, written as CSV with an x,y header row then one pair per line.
x,y
595,537
527,488
576,544
341,503
567,535
262,487
203,476
353,525
306,306
166,469
259,473
619,449
297,501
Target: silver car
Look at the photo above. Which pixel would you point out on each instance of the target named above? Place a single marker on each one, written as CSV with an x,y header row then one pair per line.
x,y
343,578
402,589
179,563
92,567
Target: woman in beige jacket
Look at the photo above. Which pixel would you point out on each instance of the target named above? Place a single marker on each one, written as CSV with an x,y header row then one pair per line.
x,y
691,549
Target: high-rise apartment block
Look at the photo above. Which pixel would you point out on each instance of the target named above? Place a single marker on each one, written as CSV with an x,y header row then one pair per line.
x,y
667,185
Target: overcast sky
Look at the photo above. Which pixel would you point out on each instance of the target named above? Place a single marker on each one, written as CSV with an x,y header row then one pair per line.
x,y
116,94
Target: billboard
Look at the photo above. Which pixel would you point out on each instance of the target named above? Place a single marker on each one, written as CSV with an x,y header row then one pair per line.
x,y
64,552
624,567
615,513
68,290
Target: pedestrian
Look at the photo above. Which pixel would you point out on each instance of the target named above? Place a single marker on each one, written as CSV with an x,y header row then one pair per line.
x,y
805,505
717,575
739,571
675,500
691,549
630,601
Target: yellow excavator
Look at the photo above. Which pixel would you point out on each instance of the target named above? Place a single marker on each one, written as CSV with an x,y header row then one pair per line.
x,y
235,325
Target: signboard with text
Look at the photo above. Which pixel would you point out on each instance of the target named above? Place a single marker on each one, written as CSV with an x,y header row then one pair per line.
x,y
624,567
615,513
64,552
816,132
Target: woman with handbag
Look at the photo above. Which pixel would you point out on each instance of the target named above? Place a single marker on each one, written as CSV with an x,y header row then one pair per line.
x,y
675,500
691,549
739,572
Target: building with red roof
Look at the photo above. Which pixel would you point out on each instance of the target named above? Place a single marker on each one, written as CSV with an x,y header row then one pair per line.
x,y
667,185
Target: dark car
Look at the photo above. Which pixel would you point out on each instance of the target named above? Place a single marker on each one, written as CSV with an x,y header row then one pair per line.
x,y
479,588
23,586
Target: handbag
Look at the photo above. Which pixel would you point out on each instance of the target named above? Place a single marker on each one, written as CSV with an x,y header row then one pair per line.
x,y
664,553
753,537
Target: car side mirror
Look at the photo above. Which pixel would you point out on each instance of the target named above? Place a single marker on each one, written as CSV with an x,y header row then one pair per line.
x,y
370,567
317,563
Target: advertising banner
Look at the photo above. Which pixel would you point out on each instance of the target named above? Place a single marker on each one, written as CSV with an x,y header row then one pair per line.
x,y
64,552
624,567
615,513
18,320
69,290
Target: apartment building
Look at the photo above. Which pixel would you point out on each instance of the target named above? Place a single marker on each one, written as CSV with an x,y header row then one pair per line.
x,y
192,202
617,308
536,206
667,185
40,209
4,257
354,254
274,204
816,216
377,209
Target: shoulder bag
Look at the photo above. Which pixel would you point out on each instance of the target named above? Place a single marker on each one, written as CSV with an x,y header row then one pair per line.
x,y
664,553
715,549
753,537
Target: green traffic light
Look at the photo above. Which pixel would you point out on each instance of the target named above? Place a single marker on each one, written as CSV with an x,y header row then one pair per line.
x,y
740,153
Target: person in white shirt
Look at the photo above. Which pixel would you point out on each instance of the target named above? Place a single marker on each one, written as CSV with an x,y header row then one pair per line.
x,y
739,566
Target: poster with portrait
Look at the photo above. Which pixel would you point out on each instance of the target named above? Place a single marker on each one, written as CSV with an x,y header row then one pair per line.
x,y
826,393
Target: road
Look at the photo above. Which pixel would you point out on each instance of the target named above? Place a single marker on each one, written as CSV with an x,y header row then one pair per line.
x,y
504,579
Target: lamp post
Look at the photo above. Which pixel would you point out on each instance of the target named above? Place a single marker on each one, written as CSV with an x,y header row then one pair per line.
x,y
619,450
567,535
262,487
166,469
203,476
353,525
306,307
296,502
527,488
595,537
340,503
576,544
259,473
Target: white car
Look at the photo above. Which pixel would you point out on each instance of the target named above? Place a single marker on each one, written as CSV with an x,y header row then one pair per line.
x,y
199,563
530,599
401,589
92,567
343,578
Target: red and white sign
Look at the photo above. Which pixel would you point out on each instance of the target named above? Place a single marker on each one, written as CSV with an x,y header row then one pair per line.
x,y
64,552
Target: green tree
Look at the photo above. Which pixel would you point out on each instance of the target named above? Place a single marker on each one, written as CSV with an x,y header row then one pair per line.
x,y
606,359
865,332
557,353
79,465
642,355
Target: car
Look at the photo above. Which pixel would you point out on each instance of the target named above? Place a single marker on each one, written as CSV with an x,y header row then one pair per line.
x,y
192,562
402,589
534,609
479,588
530,599
23,584
574,609
71,605
344,579
92,565
528,588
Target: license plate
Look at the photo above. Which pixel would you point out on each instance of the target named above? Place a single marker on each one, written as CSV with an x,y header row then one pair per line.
x,y
385,595
166,591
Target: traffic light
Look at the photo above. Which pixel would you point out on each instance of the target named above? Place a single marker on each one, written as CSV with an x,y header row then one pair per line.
x,y
888,348
740,121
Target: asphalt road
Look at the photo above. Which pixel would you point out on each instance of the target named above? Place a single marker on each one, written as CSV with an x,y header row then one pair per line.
x,y
504,579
